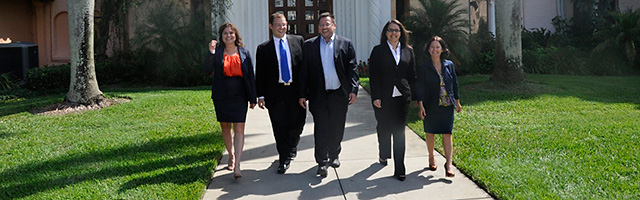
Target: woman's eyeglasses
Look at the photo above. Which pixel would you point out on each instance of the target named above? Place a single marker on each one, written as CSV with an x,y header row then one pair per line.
x,y
393,30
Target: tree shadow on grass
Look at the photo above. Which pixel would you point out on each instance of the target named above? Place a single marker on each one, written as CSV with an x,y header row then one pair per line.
x,y
478,89
604,89
18,106
24,105
29,179
4,135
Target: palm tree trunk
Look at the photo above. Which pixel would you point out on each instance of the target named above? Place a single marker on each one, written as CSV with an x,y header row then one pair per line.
x,y
508,63
83,88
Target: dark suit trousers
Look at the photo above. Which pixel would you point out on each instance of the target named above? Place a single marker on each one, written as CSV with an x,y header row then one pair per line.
x,y
392,118
329,112
287,121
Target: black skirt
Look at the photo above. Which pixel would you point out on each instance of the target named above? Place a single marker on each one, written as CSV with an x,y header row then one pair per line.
x,y
233,108
439,119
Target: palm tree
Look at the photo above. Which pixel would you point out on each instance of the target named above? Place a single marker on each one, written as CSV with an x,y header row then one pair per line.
x,y
439,18
83,88
508,56
623,32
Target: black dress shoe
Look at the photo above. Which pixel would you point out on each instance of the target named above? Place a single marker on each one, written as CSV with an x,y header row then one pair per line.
x,y
322,170
284,165
293,153
335,163
283,168
401,177
382,161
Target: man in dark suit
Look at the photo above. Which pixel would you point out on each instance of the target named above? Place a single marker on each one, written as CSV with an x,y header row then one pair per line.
x,y
329,79
277,64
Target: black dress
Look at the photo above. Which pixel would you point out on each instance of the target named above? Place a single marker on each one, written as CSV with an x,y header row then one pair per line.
x,y
439,118
233,108
231,90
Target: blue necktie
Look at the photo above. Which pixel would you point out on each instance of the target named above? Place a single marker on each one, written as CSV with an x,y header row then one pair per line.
x,y
284,64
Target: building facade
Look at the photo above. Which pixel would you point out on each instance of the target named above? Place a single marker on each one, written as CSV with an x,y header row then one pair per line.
x,y
535,13
45,23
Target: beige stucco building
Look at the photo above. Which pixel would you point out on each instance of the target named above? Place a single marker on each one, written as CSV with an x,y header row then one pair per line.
x,y
44,22
535,13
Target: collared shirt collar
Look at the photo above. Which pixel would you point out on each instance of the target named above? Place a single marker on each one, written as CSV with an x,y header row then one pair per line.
x,y
333,37
277,40
397,50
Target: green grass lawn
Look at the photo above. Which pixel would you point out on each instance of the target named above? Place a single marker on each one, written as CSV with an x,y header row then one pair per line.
x,y
558,137
555,137
161,145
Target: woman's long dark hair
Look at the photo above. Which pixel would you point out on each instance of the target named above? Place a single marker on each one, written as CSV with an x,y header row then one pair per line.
x,y
238,41
404,34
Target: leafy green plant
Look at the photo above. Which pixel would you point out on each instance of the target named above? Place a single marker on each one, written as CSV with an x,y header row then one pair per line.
x,y
122,67
482,45
363,68
5,82
623,32
172,45
439,18
536,37
109,31
49,78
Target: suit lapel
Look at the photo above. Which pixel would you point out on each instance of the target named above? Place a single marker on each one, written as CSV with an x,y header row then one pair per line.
x,y
272,52
336,48
390,55
290,51
316,45
220,57
243,56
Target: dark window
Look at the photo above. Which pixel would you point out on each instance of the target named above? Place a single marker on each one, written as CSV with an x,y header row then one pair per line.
x,y
301,13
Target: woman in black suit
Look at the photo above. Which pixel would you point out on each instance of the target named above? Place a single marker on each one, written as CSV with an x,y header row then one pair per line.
x,y
392,76
233,86
437,91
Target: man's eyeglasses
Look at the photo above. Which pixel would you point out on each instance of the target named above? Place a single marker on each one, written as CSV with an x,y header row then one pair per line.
x,y
326,25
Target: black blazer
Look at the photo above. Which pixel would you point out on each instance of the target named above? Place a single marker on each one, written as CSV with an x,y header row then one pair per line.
x,y
312,76
214,62
267,73
426,92
384,73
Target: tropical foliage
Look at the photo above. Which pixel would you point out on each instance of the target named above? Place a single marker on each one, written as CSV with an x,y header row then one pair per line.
x,y
439,18
172,45
623,32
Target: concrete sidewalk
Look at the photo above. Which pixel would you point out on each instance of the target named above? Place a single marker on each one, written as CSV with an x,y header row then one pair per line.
x,y
359,177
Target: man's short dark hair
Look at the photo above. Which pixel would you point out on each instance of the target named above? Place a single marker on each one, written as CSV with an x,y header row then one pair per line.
x,y
274,16
327,14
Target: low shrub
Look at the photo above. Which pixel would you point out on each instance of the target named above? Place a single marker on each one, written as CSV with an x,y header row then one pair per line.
x,y
123,67
573,61
49,77
5,82
482,47
363,69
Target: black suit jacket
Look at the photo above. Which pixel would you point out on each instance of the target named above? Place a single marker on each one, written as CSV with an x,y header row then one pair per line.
x,y
384,73
214,63
267,65
431,92
312,76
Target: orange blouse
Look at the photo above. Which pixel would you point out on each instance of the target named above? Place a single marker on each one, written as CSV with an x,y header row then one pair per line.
x,y
232,65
